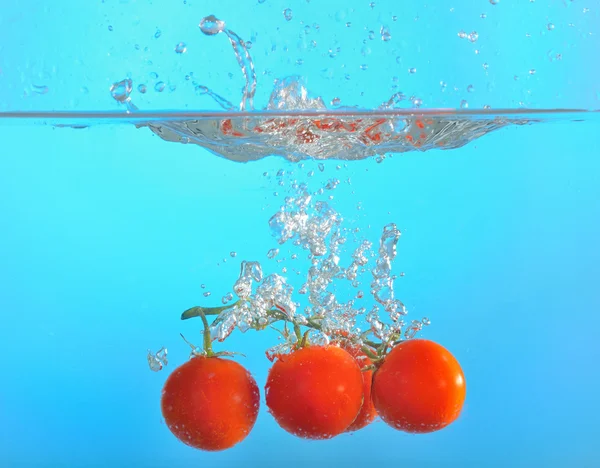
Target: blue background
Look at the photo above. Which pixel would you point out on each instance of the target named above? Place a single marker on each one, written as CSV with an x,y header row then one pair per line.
x,y
107,233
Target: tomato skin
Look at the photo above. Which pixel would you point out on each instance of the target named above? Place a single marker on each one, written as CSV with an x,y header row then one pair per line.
x,y
315,392
419,388
210,403
367,413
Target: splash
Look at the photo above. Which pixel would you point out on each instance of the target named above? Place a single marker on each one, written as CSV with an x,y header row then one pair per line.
x,y
304,127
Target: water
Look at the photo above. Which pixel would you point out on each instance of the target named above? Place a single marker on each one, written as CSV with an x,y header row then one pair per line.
x,y
431,205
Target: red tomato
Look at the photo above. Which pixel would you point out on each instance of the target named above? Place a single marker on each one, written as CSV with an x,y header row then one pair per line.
x,y
315,392
210,403
420,387
367,411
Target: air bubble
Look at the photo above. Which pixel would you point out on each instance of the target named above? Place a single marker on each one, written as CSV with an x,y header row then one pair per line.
x,y
494,2
412,71
157,34
142,88
159,87
206,294
385,34
181,48
550,26
287,14
470,88
464,104
473,36
227,298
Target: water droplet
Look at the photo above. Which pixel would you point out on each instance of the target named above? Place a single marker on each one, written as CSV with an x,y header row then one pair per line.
x,y
159,87
287,14
464,104
42,89
385,34
412,71
181,48
157,34
210,25
142,88
470,88
550,26
121,90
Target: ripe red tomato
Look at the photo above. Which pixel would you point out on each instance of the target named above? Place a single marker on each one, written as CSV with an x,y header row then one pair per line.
x,y
315,392
367,411
420,387
210,403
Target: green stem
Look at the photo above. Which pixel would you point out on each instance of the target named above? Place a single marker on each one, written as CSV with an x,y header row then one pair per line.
x,y
207,341
369,352
199,311
298,332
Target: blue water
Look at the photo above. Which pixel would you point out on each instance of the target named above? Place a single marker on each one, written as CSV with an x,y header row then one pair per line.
x,y
108,233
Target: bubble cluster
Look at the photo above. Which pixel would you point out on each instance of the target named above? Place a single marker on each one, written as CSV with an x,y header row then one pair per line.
x,y
156,361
